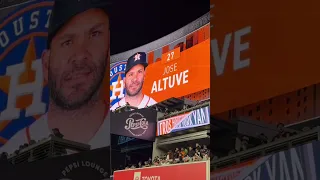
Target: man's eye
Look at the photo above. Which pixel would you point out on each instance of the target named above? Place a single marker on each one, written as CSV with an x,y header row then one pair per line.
x,y
95,33
66,43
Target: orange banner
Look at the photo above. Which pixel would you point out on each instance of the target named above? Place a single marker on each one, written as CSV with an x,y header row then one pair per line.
x,y
171,55
261,50
178,77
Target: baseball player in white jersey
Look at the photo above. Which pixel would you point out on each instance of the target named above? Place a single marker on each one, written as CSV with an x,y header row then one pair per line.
x,y
134,78
74,65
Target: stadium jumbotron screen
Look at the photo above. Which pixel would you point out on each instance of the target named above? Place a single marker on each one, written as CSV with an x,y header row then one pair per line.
x,y
177,69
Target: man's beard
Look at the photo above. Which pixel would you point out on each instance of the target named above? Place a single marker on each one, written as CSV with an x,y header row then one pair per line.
x,y
136,93
61,101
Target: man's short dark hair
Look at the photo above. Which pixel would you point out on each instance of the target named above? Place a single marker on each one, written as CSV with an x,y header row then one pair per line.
x,y
280,124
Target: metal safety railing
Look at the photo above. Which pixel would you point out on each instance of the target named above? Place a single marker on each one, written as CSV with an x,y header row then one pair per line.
x,y
185,111
266,149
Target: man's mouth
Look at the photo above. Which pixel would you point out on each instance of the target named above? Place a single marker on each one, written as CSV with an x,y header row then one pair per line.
x,y
79,74
134,86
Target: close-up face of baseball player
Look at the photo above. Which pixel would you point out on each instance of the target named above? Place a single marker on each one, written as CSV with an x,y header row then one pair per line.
x,y
76,63
134,80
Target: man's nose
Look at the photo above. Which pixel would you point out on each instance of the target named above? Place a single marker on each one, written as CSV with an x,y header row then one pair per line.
x,y
135,77
81,52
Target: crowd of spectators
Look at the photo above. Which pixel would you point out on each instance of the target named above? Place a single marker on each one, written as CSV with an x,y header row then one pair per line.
x,y
4,156
170,112
250,142
178,155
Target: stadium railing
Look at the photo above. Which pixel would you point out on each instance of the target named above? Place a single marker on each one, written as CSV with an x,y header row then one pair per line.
x,y
48,148
270,148
185,111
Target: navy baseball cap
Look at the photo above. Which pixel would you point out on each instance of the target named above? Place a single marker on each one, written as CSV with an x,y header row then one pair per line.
x,y
64,10
137,58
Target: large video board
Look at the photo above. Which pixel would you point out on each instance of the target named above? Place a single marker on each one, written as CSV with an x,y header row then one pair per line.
x,y
178,69
259,52
45,82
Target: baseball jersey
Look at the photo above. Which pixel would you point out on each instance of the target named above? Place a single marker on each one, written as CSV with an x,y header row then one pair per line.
x,y
146,101
40,130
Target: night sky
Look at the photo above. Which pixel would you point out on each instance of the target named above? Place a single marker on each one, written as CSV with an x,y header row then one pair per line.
x,y
138,22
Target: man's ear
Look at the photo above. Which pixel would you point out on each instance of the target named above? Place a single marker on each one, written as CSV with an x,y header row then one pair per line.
x,y
45,64
124,82
144,74
109,45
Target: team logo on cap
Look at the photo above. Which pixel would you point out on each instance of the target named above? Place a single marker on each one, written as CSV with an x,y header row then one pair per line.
x,y
23,94
117,74
137,57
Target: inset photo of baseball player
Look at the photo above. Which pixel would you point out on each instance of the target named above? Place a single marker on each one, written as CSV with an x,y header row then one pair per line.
x,y
135,75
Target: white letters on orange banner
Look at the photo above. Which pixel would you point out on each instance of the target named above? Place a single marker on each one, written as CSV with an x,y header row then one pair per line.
x,y
170,81
219,60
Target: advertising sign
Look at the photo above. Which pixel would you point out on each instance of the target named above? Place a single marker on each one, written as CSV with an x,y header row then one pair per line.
x,y
261,51
36,69
175,70
230,173
94,164
195,118
186,171
139,124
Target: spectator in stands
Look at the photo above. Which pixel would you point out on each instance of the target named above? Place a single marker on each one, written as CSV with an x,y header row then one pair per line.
x,y
150,160
304,129
144,164
156,161
244,143
183,152
293,133
169,156
178,156
263,138
176,153
287,134
21,147
32,142
198,146
281,132
232,151
166,111
204,149
197,155
191,152
25,145
4,156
